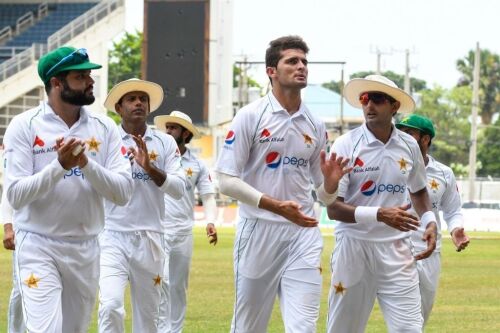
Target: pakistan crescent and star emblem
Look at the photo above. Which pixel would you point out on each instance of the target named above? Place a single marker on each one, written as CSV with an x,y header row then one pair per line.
x,y
153,155
339,288
307,139
189,172
32,281
434,185
93,144
157,280
402,164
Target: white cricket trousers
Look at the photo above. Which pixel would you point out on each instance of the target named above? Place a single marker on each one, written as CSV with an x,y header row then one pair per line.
x,y
174,288
130,257
276,259
58,280
364,270
428,276
15,323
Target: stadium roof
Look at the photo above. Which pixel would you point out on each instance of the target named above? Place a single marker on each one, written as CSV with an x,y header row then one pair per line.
x,y
325,104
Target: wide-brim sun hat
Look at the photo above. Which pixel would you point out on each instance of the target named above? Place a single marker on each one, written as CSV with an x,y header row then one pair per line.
x,y
179,118
377,83
154,91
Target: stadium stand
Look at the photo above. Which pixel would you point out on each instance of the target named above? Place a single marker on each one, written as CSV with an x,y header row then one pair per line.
x,y
36,27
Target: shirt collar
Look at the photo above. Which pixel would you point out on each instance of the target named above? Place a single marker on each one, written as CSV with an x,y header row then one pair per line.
x,y
371,138
276,106
49,112
125,136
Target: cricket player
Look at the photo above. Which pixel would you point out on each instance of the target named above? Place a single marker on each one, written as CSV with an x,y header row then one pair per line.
x,y
272,156
443,191
179,220
132,240
61,163
373,255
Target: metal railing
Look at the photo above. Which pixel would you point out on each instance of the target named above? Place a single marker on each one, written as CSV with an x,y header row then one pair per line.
x,y
82,23
5,34
24,22
63,35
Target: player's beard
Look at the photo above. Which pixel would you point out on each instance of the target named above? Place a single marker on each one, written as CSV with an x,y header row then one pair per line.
x,y
179,140
75,97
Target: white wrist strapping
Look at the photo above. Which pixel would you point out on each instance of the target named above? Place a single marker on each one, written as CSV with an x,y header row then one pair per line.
x,y
366,214
426,218
325,197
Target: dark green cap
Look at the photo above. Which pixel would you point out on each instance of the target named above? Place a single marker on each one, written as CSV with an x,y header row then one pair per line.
x,y
64,59
416,121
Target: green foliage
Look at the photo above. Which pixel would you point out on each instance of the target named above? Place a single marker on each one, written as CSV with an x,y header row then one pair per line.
x,y
236,78
415,84
448,110
489,151
115,116
333,85
489,81
125,58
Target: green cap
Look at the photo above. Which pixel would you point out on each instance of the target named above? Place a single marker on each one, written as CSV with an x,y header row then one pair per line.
x,y
416,121
64,59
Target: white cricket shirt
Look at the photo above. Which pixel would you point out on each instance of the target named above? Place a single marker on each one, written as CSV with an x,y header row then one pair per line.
x,y
276,153
52,201
146,208
179,214
381,176
443,192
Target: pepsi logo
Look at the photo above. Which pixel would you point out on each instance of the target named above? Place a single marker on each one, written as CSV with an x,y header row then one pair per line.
x,y
368,188
273,160
230,137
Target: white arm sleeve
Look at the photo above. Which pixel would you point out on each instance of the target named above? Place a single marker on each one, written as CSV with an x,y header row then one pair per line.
x,y
210,207
6,211
238,189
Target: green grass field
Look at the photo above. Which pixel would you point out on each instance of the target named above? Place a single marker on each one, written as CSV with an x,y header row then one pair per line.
x,y
468,298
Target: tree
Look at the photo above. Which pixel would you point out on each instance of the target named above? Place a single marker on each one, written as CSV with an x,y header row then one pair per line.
x,y
399,80
416,84
489,150
236,78
333,85
449,110
125,58
489,81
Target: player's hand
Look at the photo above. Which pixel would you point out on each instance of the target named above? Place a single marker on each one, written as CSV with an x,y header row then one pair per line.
x,y
333,169
292,211
140,155
66,153
460,239
398,218
212,234
430,237
8,237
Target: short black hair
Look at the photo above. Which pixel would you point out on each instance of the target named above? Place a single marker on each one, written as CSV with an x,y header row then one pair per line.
x,y
273,52
61,76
